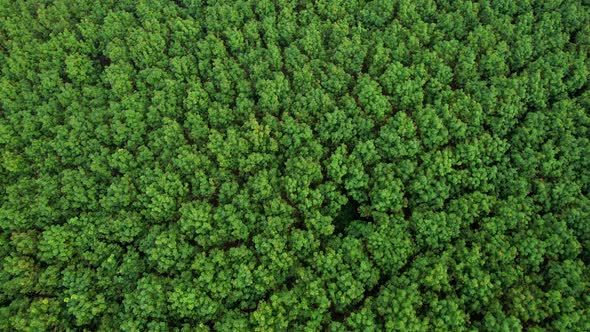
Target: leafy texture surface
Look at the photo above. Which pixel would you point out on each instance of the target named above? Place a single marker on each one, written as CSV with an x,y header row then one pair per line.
x,y
294,166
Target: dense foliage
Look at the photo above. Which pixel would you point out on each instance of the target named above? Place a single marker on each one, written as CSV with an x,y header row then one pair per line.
x,y
286,165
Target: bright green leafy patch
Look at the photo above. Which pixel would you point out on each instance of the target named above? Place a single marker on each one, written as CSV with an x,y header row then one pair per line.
x,y
258,165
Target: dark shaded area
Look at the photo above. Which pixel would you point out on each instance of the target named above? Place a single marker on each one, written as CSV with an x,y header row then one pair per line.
x,y
179,3
103,60
348,213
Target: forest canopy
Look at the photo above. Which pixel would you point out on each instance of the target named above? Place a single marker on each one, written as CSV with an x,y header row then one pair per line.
x,y
331,165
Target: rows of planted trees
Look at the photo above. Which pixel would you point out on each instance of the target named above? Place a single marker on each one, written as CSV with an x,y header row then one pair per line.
x,y
294,165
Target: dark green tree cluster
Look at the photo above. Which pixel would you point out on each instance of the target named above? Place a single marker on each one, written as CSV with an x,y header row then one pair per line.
x,y
258,165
